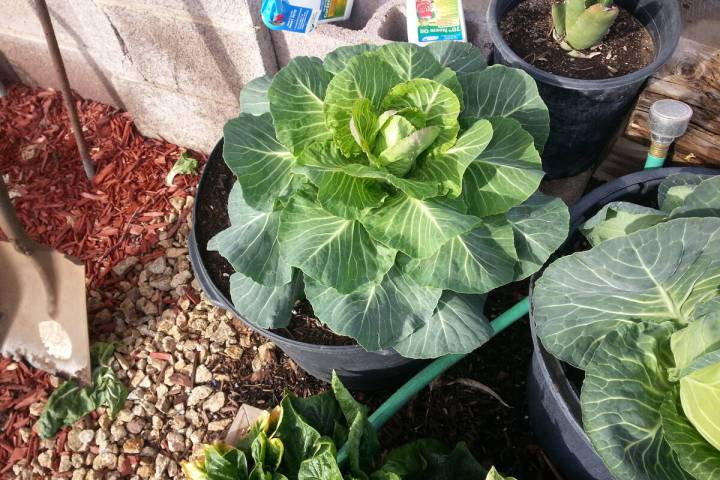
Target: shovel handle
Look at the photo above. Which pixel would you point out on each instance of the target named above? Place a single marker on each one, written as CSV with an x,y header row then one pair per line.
x,y
10,224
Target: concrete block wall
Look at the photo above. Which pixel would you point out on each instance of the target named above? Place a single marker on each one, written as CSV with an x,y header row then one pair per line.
x,y
179,65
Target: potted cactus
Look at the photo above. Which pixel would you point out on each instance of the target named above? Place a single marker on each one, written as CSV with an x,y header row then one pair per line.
x,y
590,70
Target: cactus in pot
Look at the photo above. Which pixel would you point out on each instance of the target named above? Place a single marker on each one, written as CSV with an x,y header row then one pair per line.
x,y
581,24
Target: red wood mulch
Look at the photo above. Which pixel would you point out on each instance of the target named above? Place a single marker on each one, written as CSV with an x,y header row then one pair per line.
x,y
119,214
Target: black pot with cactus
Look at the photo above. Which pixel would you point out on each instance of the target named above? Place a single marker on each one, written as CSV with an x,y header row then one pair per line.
x,y
585,114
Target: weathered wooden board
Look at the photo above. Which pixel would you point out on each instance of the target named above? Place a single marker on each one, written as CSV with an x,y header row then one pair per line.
x,y
693,76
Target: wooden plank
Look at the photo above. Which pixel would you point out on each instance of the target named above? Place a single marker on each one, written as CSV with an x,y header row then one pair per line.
x,y
693,76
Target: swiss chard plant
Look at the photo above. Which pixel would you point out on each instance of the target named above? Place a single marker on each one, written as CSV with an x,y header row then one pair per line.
x,y
640,313
391,186
299,439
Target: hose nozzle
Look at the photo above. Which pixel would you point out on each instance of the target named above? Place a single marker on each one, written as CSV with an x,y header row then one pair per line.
x,y
669,120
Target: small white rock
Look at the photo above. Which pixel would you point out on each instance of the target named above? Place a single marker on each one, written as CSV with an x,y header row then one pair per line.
x,y
215,402
198,394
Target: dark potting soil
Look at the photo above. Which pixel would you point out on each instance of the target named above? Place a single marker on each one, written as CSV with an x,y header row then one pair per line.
x,y
527,29
457,408
213,218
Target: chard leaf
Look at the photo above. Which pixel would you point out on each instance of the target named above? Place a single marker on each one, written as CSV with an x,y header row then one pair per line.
x,y
540,225
703,201
363,124
67,403
625,386
322,412
298,438
263,306
695,454
400,158
700,397
340,193
260,163
365,76
505,174
336,61
448,168
457,326
223,462
254,96
685,183
377,316
461,57
617,219
322,465
696,339
439,105
333,250
473,262
364,445
653,275
296,103
431,460
250,244
500,91
417,227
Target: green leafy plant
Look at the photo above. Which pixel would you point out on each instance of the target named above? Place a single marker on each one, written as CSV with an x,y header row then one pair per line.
x,y
582,24
298,440
640,313
185,165
393,186
72,401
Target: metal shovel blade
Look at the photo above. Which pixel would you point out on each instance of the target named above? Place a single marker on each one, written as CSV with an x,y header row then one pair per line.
x,y
52,339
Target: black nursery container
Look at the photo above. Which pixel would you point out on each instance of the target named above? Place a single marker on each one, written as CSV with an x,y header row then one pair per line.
x,y
357,368
584,114
553,398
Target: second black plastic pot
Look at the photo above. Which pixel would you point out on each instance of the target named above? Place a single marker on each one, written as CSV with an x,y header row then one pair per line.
x,y
553,399
584,114
358,369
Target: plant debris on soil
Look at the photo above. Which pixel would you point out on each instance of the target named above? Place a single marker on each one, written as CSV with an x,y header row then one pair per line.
x,y
527,29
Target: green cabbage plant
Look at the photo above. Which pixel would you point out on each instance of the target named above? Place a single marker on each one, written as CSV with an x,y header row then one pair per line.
x,y
392,186
299,440
640,313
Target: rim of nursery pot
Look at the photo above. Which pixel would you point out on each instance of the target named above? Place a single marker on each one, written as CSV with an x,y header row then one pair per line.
x,y
663,52
219,299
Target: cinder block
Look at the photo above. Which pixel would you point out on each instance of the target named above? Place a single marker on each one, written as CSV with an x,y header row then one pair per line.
x,y
19,17
375,22
27,60
185,120
187,55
